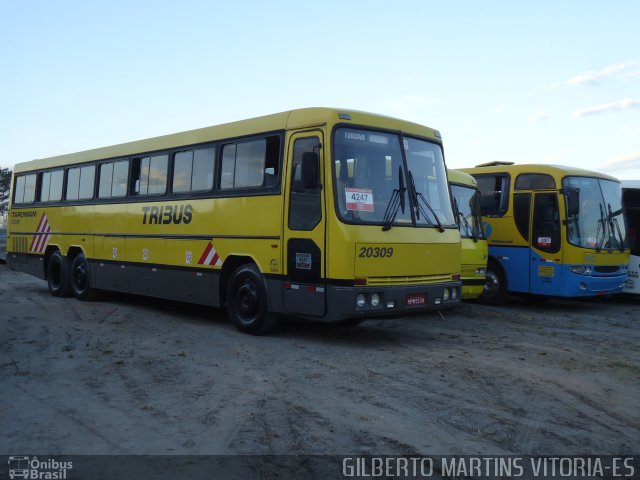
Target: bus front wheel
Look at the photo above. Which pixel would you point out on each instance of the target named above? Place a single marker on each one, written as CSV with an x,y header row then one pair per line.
x,y
81,279
495,290
247,304
58,275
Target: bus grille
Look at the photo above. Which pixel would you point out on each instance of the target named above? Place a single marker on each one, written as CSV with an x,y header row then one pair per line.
x,y
607,269
19,244
408,280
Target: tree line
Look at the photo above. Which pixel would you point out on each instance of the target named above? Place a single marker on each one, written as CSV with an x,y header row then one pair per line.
x,y
5,185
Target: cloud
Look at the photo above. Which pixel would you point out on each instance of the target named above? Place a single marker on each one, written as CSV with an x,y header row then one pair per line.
x,y
624,162
593,76
622,70
538,117
607,107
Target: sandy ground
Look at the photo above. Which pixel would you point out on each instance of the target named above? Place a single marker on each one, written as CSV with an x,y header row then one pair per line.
x,y
129,375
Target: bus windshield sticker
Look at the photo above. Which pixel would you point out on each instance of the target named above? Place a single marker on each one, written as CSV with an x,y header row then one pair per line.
x,y
359,199
303,261
544,241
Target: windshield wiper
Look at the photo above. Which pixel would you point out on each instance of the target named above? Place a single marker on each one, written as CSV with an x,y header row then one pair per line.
x,y
396,202
462,217
417,196
602,226
614,222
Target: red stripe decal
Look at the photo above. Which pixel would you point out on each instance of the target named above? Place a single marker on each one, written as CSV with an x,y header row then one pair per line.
x,y
205,254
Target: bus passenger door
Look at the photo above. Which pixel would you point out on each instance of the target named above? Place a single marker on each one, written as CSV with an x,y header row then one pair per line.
x,y
304,227
545,272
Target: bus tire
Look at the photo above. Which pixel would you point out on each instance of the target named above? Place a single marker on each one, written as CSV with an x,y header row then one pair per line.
x,y
247,304
58,279
81,278
495,290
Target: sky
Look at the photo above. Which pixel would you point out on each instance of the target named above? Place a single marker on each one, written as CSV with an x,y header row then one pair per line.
x,y
525,82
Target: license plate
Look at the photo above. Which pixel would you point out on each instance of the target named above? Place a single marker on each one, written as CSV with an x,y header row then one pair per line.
x,y
416,299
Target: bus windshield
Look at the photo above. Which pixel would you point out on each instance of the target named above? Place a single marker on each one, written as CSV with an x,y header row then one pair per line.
x,y
468,203
371,177
598,222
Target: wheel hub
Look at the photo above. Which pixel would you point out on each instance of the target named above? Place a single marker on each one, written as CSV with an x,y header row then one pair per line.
x,y
247,299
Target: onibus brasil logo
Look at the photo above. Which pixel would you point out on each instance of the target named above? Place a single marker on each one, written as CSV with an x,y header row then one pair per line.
x,y
33,468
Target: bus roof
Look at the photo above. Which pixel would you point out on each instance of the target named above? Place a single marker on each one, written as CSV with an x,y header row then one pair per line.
x,y
299,118
555,170
462,178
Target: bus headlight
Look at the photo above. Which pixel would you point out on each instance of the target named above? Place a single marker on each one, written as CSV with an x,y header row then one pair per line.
x,y
375,300
581,269
445,295
454,294
361,300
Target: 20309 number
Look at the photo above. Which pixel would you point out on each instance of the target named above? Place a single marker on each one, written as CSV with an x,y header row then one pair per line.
x,y
375,252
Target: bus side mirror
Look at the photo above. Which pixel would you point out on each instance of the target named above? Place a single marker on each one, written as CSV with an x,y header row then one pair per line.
x,y
310,170
573,202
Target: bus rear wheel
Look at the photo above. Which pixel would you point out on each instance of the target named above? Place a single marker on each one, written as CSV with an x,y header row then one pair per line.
x,y
247,304
495,290
58,275
81,278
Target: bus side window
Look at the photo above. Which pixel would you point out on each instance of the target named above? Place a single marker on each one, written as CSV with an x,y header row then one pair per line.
x,y
73,184
193,170
113,179
18,191
134,188
30,188
80,182
494,194
250,164
149,175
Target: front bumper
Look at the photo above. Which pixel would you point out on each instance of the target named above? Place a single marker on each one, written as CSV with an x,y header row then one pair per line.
x,y
342,302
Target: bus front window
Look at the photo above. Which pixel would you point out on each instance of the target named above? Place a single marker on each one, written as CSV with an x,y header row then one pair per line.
x,y
426,166
612,196
598,223
468,203
369,167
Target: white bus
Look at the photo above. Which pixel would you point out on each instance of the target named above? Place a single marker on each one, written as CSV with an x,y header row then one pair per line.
x,y
631,205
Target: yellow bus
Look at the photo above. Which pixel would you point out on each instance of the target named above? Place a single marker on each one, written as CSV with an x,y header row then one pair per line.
x,y
321,213
466,204
552,230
